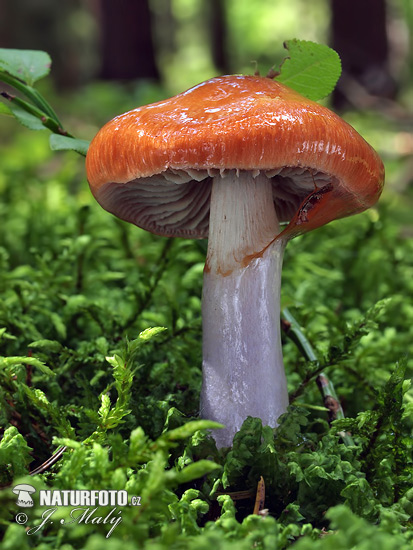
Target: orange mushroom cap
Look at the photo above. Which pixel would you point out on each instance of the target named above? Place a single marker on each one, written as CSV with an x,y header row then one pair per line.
x,y
153,166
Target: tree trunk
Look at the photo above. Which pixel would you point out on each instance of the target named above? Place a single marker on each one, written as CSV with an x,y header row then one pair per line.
x,y
25,24
127,43
360,38
218,33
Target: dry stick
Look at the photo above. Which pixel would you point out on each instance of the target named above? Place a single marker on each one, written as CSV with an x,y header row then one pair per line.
x,y
49,462
260,498
325,385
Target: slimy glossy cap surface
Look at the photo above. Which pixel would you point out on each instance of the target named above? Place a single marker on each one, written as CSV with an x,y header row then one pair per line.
x,y
154,166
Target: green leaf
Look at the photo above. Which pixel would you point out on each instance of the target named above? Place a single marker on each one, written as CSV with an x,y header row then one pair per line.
x,y
51,411
10,361
105,407
64,143
27,65
5,335
189,429
26,119
196,470
311,69
47,345
148,334
14,454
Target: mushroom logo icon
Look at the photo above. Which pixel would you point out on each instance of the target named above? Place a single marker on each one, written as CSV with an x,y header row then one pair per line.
x,y
24,492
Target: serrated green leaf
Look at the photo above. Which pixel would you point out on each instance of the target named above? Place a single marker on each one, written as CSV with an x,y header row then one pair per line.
x,y
27,65
58,324
39,398
311,69
196,470
10,361
14,454
4,334
54,413
187,430
46,345
114,360
144,337
150,333
65,143
137,444
67,442
105,406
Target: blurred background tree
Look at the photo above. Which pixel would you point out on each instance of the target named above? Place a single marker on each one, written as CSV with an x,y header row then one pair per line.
x,y
151,49
67,30
126,42
180,42
363,43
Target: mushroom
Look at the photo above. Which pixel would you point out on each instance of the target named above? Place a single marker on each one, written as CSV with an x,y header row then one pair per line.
x,y
229,159
24,492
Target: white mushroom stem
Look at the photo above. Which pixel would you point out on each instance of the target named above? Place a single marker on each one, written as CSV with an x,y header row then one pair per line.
x,y
243,371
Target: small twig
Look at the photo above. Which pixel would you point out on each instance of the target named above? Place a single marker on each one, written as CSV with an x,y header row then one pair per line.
x,y
310,375
326,387
331,401
31,93
45,119
29,370
272,73
49,462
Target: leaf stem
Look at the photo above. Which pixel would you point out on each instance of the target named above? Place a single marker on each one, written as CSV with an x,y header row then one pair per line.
x,y
47,122
32,94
